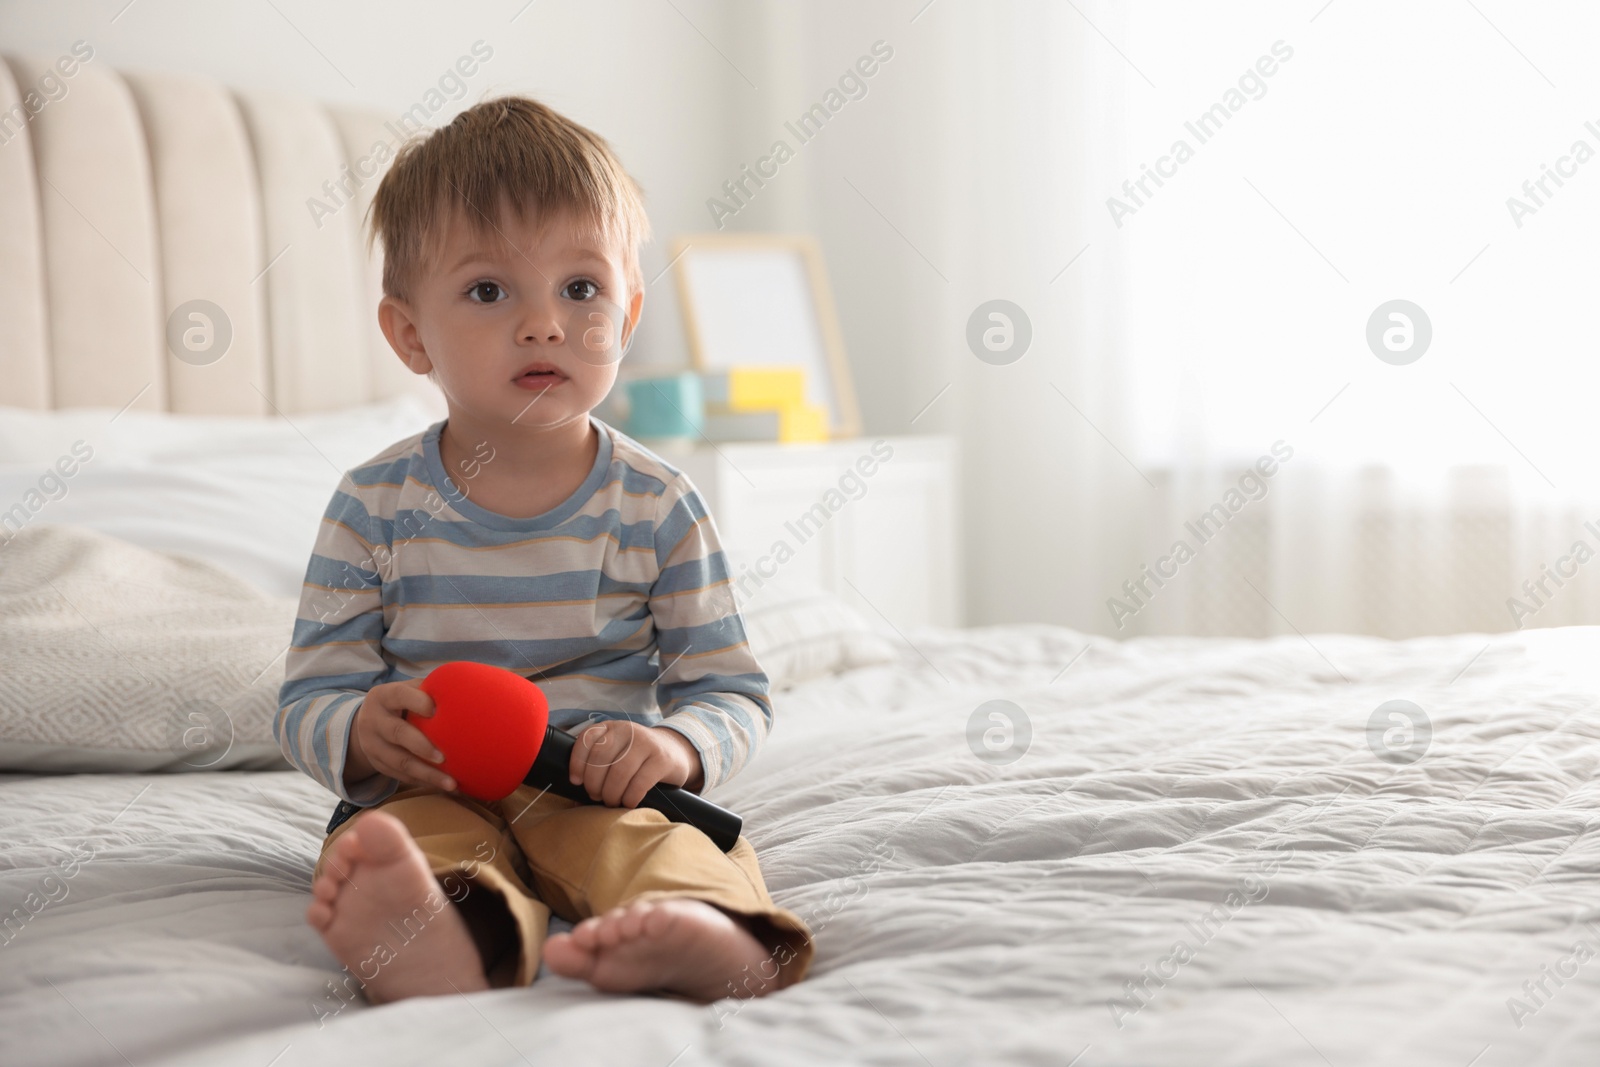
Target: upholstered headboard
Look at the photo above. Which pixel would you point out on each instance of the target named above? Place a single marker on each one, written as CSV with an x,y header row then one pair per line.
x,y
125,197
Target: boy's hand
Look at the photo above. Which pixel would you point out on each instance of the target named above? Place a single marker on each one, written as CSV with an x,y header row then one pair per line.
x,y
617,761
383,742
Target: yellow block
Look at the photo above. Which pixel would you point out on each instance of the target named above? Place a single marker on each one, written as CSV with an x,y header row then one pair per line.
x,y
786,424
755,388
803,422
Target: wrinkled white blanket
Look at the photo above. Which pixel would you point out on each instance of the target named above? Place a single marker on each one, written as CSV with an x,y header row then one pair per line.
x,y
1332,906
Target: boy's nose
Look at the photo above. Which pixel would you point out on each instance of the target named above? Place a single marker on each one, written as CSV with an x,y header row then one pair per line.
x,y
542,325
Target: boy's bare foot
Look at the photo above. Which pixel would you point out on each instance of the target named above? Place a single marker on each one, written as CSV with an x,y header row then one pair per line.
x,y
387,919
677,946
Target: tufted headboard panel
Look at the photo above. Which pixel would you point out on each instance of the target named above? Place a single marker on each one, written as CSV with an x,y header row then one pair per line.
x,y
130,196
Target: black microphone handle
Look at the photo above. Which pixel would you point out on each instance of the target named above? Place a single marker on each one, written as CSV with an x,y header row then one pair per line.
x,y
552,770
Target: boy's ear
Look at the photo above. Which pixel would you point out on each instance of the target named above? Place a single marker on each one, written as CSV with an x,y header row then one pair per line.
x,y
635,305
399,326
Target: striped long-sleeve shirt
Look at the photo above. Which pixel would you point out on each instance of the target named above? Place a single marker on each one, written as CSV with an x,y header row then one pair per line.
x,y
617,603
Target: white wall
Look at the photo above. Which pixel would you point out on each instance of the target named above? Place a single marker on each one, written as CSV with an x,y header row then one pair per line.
x,y
895,185
958,180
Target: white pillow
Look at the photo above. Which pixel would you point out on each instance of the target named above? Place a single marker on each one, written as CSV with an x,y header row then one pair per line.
x,y
345,436
118,659
800,631
244,494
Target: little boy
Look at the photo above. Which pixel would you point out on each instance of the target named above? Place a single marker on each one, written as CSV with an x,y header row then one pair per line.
x,y
520,531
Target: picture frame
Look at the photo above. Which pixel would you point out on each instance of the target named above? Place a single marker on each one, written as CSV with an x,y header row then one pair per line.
x,y
764,299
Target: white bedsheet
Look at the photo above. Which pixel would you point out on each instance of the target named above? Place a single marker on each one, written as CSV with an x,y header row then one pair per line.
x,y
1408,902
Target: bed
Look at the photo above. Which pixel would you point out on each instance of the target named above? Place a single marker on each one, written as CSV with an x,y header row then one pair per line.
x,y
964,912
1015,844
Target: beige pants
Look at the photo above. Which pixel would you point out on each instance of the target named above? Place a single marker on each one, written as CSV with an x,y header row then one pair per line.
x,y
540,853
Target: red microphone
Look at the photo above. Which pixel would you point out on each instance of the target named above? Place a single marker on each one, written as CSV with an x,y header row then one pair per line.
x,y
493,726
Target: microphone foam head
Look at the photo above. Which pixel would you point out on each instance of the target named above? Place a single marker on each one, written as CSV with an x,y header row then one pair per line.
x,y
489,723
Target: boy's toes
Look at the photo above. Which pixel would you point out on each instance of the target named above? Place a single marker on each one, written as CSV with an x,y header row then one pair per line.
x,y
568,958
630,924
680,946
393,882
608,933
347,849
383,837
584,934
656,922
341,859
326,887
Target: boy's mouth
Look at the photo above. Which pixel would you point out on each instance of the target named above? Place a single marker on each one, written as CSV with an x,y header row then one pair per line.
x,y
539,375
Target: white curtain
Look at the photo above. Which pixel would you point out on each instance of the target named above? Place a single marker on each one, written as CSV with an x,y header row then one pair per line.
x,y
1349,168
1335,158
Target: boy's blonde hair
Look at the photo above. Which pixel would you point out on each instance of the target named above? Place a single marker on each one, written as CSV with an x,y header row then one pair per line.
x,y
513,147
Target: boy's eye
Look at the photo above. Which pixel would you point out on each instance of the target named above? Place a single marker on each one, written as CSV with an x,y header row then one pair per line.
x,y
582,289
488,291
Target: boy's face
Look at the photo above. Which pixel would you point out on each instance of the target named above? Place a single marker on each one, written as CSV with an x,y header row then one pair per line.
x,y
527,328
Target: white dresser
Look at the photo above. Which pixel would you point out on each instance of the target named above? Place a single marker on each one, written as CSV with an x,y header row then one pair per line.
x,y
874,519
